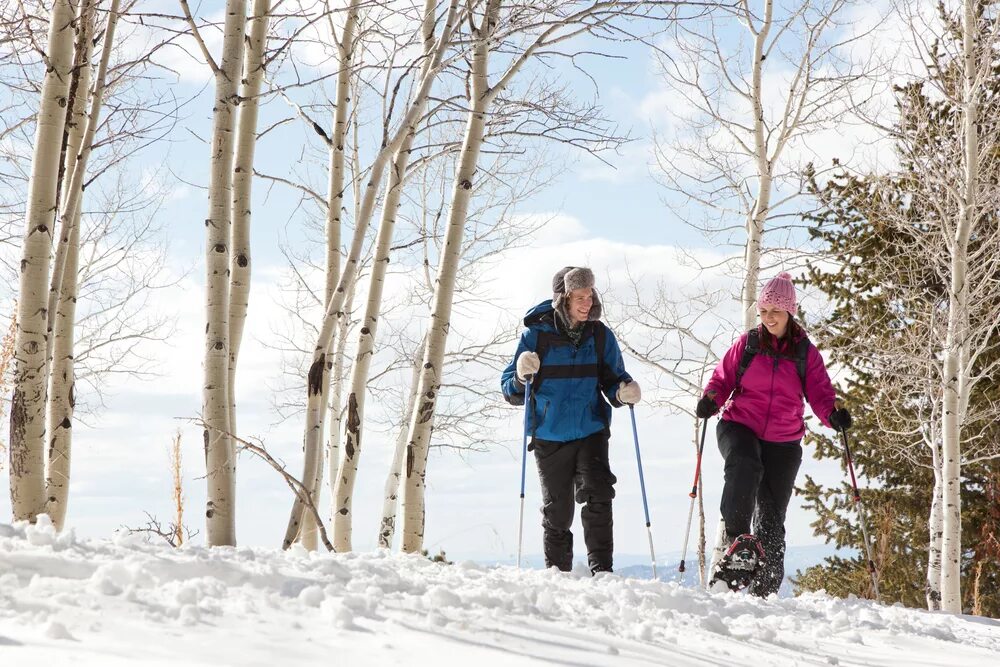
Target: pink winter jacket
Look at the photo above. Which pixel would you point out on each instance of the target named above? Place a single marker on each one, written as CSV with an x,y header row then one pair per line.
x,y
770,399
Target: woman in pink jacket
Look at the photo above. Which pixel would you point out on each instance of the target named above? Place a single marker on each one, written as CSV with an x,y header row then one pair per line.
x,y
760,384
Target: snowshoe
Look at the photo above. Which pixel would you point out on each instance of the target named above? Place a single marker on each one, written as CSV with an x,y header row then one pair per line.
x,y
739,565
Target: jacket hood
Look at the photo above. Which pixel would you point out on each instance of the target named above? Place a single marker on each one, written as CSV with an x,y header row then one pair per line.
x,y
538,313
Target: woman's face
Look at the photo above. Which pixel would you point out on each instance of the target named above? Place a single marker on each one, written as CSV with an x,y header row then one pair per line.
x,y
774,319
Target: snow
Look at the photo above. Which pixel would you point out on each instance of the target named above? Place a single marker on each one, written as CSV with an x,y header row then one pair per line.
x,y
124,601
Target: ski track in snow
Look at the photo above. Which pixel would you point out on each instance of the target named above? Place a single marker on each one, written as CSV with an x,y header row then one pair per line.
x,y
123,602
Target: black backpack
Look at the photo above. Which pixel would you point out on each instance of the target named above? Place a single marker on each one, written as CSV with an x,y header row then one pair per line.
x,y
546,339
753,347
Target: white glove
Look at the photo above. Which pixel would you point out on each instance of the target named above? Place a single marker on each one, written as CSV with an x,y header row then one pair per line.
x,y
629,393
527,364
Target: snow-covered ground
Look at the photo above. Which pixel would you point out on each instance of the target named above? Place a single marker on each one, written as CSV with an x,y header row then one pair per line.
x,y
65,601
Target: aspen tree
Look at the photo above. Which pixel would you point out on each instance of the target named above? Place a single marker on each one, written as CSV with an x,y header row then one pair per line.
x,y
319,368
346,46
62,296
344,488
429,382
219,450
246,144
27,418
309,532
390,492
955,376
63,299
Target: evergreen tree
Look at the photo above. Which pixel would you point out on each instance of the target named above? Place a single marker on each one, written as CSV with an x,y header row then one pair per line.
x,y
890,302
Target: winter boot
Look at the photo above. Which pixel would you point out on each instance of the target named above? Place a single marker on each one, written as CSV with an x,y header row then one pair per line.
x,y
737,568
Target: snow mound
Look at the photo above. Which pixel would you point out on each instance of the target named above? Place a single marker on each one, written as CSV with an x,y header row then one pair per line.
x,y
118,602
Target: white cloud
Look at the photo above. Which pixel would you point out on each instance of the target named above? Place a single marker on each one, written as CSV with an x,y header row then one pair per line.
x,y
555,229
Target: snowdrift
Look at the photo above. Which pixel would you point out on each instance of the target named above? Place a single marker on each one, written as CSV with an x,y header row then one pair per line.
x,y
123,602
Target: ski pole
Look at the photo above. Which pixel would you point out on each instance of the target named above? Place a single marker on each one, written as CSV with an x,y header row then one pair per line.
x,y
694,493
524,458
859,506
642,487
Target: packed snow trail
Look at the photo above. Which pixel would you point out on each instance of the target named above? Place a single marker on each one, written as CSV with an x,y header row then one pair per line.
x,y
123,602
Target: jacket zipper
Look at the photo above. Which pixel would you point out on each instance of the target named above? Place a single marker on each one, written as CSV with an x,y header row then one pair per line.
x,y
770,399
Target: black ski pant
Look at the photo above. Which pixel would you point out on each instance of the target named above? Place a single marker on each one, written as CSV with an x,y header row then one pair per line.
x,y
576,469
759,479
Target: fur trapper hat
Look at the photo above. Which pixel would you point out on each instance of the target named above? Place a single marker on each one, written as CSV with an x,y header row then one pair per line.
x,y
568,279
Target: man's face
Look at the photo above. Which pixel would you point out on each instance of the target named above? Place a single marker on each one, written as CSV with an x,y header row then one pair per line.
x,y
578,304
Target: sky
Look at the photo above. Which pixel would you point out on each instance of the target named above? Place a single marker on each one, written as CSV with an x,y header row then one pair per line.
x,y
614,217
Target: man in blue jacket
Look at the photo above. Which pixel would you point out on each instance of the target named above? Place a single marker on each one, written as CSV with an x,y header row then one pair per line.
x,y
572,358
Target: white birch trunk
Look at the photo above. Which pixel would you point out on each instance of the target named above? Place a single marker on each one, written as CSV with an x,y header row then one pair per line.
x,y
77,171
390,494
27,416
757,216
76,129
334,216
62,399
309,531
315,405
332,389
762,204
62,295
956,342
344,488
246,144
951,523
935,531
220,464
421,419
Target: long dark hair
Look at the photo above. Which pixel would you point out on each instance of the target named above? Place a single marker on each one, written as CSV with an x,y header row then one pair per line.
x,y
769,344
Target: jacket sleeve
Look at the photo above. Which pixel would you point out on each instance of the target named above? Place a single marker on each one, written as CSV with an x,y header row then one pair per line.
x,y
613,372
819,389
723,380
512,388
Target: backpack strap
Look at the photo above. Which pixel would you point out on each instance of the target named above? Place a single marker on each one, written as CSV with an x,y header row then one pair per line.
x,y
542,344
749,352
801,358
600,336
753,348
605,376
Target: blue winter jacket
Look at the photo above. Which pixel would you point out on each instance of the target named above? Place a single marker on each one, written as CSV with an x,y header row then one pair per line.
x,y
566,393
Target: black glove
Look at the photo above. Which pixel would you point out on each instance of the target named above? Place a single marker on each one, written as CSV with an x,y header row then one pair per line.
x,y
706,407
840,419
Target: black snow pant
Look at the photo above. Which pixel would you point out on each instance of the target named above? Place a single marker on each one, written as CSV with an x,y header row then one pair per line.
x,y
759,479
577,468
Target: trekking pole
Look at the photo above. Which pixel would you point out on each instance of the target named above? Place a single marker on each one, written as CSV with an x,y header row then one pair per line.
x,y
859,506
642,487
693,494
524,457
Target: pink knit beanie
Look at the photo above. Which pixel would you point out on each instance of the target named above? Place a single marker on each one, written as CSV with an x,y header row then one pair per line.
x,y
780,292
